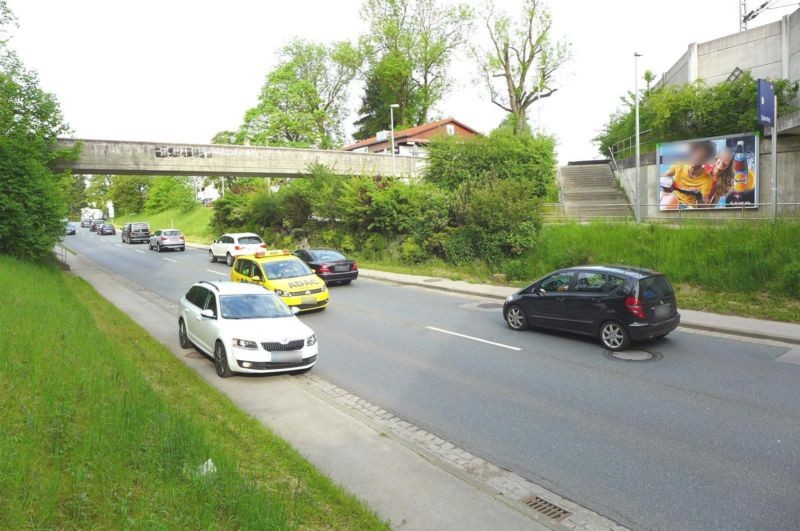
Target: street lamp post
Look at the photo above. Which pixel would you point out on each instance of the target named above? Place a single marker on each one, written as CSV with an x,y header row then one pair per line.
x,y
392,107
638,197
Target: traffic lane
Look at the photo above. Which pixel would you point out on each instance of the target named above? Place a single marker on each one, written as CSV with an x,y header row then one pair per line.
x,y
728,369
501,429
625,423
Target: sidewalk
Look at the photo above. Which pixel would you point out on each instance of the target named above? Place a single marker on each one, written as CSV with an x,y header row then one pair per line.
x,y
694,319
711,322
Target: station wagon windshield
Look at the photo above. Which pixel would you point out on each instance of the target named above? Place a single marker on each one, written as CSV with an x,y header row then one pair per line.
x,y
251,306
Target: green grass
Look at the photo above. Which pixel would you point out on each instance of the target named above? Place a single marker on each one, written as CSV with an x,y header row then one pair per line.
x,y
194,223
102,427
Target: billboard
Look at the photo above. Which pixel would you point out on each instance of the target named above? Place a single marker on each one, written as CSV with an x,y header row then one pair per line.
x,y
709,173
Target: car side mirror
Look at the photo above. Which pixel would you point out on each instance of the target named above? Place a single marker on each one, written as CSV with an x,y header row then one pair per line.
x,y
539,291
208,314
295,310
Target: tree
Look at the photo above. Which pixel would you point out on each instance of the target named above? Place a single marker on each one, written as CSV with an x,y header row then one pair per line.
x,y
129,193
409,46
32,197
169,192
520,65
76,195
302,102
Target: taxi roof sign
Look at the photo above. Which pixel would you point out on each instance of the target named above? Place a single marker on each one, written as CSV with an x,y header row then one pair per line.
x,y
272,252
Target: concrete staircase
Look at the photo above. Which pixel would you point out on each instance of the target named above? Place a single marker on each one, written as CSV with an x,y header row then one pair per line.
x,y
590,191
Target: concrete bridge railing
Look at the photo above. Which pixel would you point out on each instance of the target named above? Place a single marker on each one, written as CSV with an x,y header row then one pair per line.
x,y
114,157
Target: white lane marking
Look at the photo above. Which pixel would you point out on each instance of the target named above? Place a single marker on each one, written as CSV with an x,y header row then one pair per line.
x,y
118,244
216,272
171,260
473,338
138,251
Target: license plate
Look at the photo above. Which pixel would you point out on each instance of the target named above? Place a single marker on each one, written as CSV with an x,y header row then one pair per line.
x,y
341,268
663,311
308,300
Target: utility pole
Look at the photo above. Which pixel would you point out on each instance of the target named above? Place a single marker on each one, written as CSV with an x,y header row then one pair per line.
x,y
638,197
742,15
392,107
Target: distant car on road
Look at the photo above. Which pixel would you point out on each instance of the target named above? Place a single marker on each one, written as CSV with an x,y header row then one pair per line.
x,y
245,329
86,223
70,229
616,304
96,224
167,239
138,232
286,276
329,264
229,246
107,229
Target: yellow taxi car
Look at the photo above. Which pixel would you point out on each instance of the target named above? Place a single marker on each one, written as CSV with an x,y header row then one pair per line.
x,y
285,275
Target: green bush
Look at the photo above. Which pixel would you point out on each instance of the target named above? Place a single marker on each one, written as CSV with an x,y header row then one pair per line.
x,y
165,193
461,245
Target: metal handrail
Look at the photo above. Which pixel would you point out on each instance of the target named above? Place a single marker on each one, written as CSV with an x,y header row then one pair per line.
x,y
627,180
628,143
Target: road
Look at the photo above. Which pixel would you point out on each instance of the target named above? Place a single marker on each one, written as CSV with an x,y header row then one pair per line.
x,y
707,437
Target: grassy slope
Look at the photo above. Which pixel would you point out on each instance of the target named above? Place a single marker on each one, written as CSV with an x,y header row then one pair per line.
x,y
102,427
194,224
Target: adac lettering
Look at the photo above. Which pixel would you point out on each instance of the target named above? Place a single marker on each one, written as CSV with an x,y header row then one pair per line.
x,y
301,283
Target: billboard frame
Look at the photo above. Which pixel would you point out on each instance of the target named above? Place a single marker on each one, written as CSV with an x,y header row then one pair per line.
x,y
756,191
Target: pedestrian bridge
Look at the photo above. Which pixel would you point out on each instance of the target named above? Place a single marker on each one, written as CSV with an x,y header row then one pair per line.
x,y
114,157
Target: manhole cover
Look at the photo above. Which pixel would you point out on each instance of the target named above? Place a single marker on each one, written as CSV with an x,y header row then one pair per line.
x,y
633,355
432,280
490,305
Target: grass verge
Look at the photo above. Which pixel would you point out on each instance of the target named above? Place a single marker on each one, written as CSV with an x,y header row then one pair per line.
x,y
194,224
102,427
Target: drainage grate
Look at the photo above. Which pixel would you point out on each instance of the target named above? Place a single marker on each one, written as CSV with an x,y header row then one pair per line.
x,y
550,510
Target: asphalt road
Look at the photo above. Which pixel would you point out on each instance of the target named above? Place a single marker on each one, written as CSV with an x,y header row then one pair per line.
x,y
707,437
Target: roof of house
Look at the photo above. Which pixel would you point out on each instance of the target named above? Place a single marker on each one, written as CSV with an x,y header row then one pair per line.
x,y
410,133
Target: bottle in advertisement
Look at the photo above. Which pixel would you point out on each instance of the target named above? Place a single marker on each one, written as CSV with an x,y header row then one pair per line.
x,y
741,172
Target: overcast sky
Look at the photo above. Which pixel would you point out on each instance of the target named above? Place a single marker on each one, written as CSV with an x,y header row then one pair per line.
x,y
182,70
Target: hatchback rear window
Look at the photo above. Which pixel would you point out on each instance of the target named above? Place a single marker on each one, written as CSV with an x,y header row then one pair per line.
x,y
172,233
654,287
248,240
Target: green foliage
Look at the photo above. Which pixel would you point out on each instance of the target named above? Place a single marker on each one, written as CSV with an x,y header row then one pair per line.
x,y
503,154
409,46
33,199
129,193
693,110
303,101
169,192
791,279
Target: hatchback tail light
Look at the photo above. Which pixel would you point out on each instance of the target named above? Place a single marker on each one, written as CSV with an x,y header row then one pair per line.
x,y
263,245
181,237
355,267
238,247
324,268
163,238
635,306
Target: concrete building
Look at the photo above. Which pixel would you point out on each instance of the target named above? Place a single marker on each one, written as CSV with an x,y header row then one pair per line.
x,y
770,51
412,142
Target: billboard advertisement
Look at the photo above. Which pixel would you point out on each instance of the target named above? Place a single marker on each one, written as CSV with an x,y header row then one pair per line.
x,y
708,173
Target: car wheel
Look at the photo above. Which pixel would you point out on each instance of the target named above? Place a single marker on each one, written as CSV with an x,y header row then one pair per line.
x,y
211,257
515,318
183,339
613,336
158,247
229,259
221,361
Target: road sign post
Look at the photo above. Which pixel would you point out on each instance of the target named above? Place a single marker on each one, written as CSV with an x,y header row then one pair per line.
x,y
768,115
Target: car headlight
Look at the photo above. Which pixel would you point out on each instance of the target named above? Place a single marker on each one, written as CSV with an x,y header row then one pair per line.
x,y
508,299
245,343
279,292
312,340
324,288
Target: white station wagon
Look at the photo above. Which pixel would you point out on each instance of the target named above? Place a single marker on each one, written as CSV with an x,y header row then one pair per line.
x,y
228,246
245,329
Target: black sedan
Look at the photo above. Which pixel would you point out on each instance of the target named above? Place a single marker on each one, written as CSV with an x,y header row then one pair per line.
x,y
107,229
330,265
96,224
616,304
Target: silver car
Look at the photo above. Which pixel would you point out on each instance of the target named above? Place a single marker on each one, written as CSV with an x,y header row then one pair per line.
x,y
167,239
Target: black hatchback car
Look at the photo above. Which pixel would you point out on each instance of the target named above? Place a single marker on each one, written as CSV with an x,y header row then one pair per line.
x,y
330,265
616,304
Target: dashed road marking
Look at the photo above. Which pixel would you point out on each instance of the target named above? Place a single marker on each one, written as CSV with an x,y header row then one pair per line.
x,y
171,260
509,347
138,251
216,272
